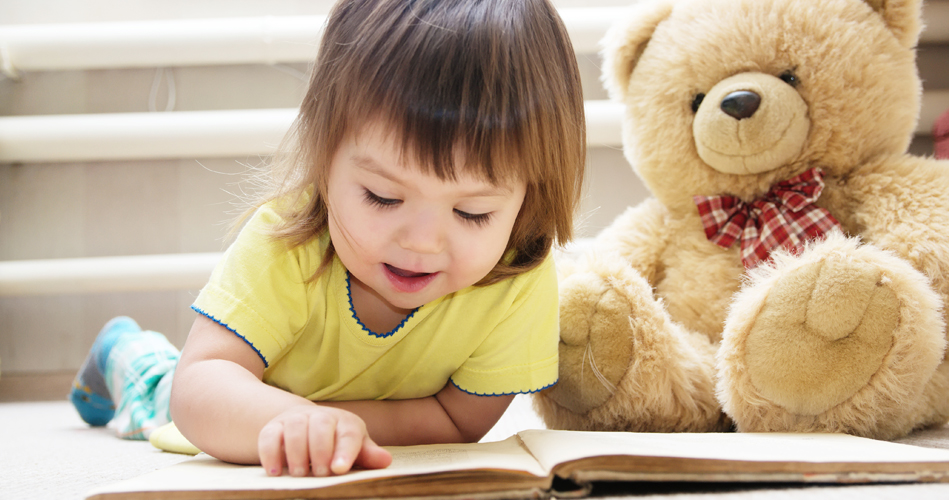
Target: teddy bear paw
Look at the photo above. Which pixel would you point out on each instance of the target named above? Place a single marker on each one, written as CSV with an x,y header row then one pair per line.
x,y
823,332
595,345
835,340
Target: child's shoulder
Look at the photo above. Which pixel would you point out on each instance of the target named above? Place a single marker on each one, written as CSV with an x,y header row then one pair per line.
x,y
267,230
543,274
275,211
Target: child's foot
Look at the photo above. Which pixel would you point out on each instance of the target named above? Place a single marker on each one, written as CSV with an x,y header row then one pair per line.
x,y
90,394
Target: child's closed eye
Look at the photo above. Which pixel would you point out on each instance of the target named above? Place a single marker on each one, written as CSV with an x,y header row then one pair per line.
x,y
377,201
479,220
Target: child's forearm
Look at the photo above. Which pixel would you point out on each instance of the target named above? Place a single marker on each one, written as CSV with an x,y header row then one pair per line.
x,y
450,416
405,422
221,408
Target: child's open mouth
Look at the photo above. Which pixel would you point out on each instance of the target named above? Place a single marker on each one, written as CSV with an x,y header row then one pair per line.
x,y
403,273
408,281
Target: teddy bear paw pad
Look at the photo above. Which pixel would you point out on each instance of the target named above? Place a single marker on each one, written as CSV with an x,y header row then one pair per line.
x,y
823,332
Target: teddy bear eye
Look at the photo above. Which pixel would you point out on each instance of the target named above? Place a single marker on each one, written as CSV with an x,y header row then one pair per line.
x,y
790,78
697,102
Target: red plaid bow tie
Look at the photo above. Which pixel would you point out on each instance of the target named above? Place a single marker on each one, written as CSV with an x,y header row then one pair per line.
x,y
784,217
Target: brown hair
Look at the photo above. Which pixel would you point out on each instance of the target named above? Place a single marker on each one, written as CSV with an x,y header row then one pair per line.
x,y
496,80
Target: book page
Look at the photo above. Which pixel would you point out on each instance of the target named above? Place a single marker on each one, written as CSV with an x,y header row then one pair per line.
x,y
205,473
555,447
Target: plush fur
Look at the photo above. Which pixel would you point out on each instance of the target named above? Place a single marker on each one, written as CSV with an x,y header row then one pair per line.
x,y
662,330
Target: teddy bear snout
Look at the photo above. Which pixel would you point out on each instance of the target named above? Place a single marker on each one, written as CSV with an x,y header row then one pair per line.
x,y
741,104
750,123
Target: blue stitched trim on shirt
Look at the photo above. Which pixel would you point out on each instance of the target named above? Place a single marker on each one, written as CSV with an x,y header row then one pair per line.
x,y
505,393
212,318
352,310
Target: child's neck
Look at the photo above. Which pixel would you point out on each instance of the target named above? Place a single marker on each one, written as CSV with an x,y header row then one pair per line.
x,y
372,310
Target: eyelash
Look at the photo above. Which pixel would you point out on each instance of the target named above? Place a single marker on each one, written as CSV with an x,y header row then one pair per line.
x,y
377,201
479,220
374,200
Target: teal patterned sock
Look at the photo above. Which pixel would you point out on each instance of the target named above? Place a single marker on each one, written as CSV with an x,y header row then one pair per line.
x,y
90,394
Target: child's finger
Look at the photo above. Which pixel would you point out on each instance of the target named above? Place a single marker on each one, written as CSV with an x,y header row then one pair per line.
x,y
322,436
350,434
373,456
295,444
270,448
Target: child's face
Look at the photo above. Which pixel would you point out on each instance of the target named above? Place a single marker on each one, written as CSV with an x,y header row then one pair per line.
x,y
407,235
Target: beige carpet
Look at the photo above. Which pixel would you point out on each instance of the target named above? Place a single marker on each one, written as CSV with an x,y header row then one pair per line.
x,y
47,452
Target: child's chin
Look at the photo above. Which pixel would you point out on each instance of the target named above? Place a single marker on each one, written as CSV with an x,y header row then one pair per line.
x,y
406,302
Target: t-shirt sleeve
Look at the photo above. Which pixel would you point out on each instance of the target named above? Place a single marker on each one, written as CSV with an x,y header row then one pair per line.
x,y
520,354
259,288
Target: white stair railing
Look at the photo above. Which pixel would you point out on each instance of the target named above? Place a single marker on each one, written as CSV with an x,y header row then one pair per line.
x,y
185,271
189,42
189,134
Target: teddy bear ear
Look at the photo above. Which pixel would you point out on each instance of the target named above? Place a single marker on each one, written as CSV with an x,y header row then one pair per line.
x,y
903,17
625,41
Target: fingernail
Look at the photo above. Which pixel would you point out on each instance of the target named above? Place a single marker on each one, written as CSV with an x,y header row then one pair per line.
x,y
321,471
299,471
273,472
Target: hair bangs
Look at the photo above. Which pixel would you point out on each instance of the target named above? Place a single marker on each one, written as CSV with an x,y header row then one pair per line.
x,y
448,85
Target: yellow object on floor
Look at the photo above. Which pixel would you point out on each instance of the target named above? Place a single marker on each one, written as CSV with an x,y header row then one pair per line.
x,y
169,438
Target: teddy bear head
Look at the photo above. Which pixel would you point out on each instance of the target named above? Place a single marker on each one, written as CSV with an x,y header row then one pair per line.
x,y
732,96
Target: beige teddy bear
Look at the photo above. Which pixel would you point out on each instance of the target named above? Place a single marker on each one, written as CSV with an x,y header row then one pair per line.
x,y
791,271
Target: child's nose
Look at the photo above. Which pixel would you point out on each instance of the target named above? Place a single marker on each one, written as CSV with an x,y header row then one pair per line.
x,y
424,233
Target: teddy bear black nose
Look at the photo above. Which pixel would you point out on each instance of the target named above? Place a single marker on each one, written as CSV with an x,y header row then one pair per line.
x,y
741,104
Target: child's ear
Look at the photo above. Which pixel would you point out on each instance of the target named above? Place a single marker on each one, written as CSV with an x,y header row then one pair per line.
x,y
903,17
625,42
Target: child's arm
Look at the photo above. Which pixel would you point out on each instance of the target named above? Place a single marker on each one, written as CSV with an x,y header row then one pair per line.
x,y
220,403
450,416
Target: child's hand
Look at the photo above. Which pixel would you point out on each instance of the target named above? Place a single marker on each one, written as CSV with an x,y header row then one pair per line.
x,y
320,440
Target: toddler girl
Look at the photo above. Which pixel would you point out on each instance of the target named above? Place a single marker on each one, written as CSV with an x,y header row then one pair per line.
x,y
396,286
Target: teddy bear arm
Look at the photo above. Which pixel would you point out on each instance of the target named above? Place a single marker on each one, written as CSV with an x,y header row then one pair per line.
x,y
903,208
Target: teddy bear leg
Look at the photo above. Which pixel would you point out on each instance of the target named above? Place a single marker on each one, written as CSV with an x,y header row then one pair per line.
x,y
624,365
845,338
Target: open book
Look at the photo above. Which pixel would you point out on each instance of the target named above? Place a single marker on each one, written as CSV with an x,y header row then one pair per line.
x,y
526,465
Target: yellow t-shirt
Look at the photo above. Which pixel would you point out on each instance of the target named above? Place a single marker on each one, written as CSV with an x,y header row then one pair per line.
x,y
491,340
